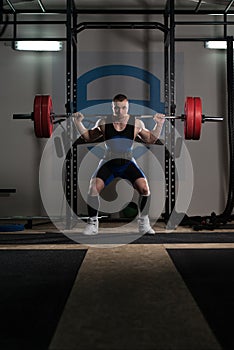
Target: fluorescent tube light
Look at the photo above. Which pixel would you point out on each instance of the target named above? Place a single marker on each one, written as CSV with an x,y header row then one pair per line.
x,y
216,44
38,45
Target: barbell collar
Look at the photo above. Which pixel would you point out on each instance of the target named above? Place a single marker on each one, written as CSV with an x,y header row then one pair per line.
x,y
59,121
60,116
173,117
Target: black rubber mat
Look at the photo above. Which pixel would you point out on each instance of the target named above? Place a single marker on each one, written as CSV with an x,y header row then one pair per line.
x,y
209,275
210,237
35,285
35,238
109,238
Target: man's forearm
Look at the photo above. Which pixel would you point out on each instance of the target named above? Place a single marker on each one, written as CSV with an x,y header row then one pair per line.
x,y
156,131
81,128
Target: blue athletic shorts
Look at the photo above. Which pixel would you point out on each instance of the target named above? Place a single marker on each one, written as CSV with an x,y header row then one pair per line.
x,y
122,168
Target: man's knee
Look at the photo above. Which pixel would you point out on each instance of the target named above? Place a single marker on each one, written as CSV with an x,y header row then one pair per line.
x,y
96,186
142,187
144,191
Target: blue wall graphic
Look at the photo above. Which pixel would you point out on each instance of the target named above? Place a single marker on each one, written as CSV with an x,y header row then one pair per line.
x,y
153,103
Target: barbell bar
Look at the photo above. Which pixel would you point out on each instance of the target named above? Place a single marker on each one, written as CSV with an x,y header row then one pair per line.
x,y
44,117
181,117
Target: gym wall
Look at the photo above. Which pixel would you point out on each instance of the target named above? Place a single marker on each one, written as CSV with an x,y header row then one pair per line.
x,y
199,72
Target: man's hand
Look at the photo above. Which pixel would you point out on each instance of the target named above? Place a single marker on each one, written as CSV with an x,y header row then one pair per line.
x,y
78,116
159,118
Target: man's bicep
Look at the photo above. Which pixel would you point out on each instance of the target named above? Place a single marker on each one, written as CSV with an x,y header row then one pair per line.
x,y
147,136
139,124
144,133
95,133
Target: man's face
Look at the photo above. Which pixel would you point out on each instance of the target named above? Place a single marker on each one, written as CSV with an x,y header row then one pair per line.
x,y
120,108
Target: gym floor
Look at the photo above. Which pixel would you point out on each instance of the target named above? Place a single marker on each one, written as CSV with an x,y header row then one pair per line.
x,y
133,296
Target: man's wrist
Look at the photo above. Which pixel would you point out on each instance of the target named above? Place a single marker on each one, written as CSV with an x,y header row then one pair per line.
x,y
160,123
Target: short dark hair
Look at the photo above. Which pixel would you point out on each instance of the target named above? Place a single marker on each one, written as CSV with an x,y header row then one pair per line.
x,y
119,97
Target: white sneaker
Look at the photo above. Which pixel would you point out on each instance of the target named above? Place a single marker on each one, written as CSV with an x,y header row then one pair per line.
x,y
144,226
91,228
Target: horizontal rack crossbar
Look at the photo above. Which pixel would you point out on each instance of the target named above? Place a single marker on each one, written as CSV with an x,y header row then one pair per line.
x,y
118,11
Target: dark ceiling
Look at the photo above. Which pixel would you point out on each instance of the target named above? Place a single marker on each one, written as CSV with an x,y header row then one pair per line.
x,y
197,6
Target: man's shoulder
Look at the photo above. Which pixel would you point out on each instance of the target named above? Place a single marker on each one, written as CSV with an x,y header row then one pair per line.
x,y
139,123
102,121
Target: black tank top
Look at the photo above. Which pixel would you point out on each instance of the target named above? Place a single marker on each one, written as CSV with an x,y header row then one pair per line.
x,y
119,142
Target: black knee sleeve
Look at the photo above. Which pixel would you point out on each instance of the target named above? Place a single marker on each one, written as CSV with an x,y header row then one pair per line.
x,y
144,204
93,203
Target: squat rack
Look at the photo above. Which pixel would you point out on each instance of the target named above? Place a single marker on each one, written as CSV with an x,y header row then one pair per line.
x,y
71,160
168,28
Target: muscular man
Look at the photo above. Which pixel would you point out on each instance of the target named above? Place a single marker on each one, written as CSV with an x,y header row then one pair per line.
x,y
119,132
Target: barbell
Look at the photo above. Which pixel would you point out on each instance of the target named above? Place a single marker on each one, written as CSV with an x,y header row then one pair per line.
x,y
44,118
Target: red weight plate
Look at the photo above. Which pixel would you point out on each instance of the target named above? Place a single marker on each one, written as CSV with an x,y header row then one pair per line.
x,y
46,111
37,116
189,118
197,118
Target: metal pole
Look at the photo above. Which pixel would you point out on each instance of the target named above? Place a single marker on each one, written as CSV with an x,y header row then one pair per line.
x,y
74,79
230,90
1,11
68,175
167,102
172,106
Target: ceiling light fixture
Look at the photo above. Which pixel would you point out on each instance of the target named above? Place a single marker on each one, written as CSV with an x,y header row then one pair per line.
x,y
216,45
43,45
